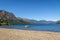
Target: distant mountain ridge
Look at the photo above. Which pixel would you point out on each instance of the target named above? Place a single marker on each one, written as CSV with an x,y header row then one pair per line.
x,y
36,22
8,17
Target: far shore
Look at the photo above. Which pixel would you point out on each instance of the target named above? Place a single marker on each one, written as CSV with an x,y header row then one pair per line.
x,y
15,34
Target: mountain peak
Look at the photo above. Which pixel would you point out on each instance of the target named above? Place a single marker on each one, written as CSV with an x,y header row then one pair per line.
x,y
5,15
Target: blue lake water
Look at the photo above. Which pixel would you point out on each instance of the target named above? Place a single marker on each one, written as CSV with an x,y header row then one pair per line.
x,y
39,27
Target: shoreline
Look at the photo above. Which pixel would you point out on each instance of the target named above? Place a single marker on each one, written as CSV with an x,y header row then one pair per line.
x,y
16,34
31,30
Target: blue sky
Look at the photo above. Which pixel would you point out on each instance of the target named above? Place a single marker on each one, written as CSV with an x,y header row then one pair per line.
x,y
33,9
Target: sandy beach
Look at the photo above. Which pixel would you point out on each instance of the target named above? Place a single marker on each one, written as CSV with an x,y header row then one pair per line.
x,y
15,34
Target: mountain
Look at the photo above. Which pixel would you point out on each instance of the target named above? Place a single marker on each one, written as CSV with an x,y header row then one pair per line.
x,y
46,22
35,21
9,18
57,22
30,21
24,20
7,15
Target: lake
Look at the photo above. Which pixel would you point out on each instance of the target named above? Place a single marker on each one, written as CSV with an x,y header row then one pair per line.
x,y
38,27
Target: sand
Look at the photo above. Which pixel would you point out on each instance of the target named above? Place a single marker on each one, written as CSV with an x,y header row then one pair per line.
x,y
14,34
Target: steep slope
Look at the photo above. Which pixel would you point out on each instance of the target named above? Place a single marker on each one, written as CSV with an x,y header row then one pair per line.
x,y
7,15
9,18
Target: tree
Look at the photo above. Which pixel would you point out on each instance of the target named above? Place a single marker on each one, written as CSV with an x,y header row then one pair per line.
x,y
0,22
3,22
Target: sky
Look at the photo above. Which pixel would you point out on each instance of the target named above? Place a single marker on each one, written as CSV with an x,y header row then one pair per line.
x,y
33,9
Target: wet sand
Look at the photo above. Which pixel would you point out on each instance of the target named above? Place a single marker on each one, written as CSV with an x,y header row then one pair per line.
x,y
15,34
